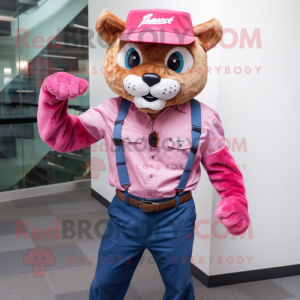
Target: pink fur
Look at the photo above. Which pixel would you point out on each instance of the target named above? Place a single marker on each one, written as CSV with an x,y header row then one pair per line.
x,y
62,132
227,179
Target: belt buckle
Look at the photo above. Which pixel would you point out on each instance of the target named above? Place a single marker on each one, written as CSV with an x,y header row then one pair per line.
x,y
147,202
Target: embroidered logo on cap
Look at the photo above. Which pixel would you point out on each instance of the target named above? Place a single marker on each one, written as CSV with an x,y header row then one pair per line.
x,y
147,20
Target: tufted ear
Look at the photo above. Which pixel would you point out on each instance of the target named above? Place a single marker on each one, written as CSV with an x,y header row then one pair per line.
x,y
109,27
209,34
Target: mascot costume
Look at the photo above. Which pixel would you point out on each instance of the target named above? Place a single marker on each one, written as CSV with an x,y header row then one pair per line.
x,y
156,135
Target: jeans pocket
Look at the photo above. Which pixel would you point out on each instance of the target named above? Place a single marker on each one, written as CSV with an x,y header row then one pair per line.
x,y
112,205
192,210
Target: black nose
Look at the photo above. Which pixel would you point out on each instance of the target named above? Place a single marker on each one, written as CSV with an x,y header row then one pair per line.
x,y
151,78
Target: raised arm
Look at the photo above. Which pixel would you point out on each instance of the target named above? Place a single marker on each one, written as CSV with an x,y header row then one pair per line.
x,y
62,132
228,181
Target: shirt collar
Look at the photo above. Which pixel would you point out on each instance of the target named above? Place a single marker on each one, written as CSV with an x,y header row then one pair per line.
x,y
132,106
181,107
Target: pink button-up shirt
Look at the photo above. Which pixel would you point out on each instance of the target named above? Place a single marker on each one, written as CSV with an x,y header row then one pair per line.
x,y
154,172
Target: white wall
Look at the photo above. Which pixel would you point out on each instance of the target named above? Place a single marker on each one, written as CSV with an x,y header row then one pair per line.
x,y
260,108
263,109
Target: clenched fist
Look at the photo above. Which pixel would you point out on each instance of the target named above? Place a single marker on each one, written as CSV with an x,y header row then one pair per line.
x,y
233,215
64,85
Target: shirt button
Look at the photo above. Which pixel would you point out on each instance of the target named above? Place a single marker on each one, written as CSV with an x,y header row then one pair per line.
x,y
151,176
153,157
180,145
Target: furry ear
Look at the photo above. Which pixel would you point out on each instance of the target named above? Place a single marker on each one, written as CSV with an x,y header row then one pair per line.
x,y
209,34
109,27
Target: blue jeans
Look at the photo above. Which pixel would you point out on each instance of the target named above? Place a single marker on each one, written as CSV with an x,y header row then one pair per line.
x,y
169,236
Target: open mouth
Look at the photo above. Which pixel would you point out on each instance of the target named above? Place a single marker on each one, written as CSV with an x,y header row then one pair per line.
x,y
149,98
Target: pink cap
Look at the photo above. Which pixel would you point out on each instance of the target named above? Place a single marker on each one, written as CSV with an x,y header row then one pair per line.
x,y
158,26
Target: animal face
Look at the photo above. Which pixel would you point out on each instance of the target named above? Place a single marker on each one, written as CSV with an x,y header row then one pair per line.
x,y
156,75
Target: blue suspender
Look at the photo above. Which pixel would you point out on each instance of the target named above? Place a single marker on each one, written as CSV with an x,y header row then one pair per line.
x,y
196,132
120,157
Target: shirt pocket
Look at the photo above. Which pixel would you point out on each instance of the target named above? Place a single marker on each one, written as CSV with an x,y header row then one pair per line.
x,y
133,144
177,151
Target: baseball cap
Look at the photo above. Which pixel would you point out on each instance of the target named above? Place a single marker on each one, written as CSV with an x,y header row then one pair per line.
x,y
163,26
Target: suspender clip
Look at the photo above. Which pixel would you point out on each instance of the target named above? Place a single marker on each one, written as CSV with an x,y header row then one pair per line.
x,y
117,142
178,192
119,122
126,186
194,149
196,129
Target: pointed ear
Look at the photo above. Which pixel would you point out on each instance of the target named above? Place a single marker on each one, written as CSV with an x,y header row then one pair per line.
x,y
109,27
209,34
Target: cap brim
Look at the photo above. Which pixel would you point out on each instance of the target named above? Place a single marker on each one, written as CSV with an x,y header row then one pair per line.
x,y
171,38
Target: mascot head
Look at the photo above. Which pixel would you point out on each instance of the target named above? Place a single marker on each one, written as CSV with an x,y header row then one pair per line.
x,y
157,58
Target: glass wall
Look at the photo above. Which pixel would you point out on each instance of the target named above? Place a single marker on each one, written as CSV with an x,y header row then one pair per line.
x,y
37,39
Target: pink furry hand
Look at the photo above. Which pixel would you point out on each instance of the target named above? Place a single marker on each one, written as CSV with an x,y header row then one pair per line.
x,y
233,215
64,85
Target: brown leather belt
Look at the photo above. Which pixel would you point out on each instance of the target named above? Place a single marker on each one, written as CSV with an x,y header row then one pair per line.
x,y
148,206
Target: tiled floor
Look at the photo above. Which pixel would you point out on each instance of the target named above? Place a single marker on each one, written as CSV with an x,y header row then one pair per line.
x,y
73,271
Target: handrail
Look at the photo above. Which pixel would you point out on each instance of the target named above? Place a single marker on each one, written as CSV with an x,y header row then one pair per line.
x,y
16,120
